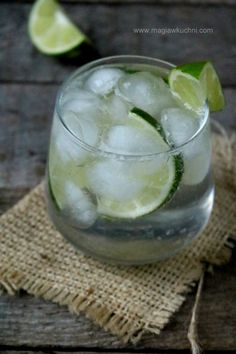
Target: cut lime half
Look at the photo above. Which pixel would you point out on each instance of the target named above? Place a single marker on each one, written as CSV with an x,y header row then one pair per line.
x,y
160,176
195,83
51,31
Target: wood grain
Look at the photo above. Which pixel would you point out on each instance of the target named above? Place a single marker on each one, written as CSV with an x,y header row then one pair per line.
x,y
24,130
111,27
26,114
27,321
28,85
48,350
161,2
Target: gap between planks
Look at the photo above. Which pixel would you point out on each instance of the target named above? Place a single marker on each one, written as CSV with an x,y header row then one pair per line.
x,y
93,350
190,3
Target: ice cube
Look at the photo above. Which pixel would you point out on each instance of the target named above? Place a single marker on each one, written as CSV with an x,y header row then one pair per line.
x,y
196,168
179,125
117,108
81,101
79,205
111,179
146,91
126,139
66,145
102,81
121,180
73,124
87,130
197,157
71,89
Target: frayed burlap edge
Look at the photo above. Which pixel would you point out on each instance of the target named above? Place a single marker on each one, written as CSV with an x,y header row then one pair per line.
x,y
129,330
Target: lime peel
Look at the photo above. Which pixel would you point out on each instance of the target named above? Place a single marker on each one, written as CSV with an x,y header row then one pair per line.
x,y
51,31
194,83
148,118
178,159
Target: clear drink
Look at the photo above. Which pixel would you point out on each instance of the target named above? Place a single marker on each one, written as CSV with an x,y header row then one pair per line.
x,y
128,177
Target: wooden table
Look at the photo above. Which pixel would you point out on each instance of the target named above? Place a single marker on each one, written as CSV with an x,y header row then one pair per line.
x,y
28,85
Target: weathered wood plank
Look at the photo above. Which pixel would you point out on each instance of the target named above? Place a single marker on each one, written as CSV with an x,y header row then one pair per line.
x,y
26,113
112,28
9,197
24,132
48,350
96,350
162,2
27,321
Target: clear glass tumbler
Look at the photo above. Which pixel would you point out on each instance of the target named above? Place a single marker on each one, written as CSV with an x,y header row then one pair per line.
x,y
111,194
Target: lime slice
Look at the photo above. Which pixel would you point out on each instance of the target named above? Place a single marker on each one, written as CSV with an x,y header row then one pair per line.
x,y
194,83
149,119
51,31
159,177
178,159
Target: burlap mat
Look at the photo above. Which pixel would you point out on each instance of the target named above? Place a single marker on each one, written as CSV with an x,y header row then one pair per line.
x,y
127,301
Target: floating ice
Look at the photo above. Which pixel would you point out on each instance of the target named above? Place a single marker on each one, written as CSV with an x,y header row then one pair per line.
x,y
79,205
73,124
146,91
179,125
117,108
196,169
197,159
121,180
84,127
125,139
66,145
71,90
81,101
103,81
111,179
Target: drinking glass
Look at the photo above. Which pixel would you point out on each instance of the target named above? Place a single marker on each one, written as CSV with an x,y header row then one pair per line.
x,y
93,194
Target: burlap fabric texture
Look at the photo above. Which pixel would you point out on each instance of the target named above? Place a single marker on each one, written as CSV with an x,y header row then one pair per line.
x,y
128,301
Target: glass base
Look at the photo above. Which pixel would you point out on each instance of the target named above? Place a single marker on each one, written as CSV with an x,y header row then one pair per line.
x,y
148,241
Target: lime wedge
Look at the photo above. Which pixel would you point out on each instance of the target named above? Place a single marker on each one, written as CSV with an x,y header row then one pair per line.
x,y
212,87
195,83
159,177
51,31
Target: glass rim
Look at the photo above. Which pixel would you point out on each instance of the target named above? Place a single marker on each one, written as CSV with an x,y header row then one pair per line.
x,y
122,156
